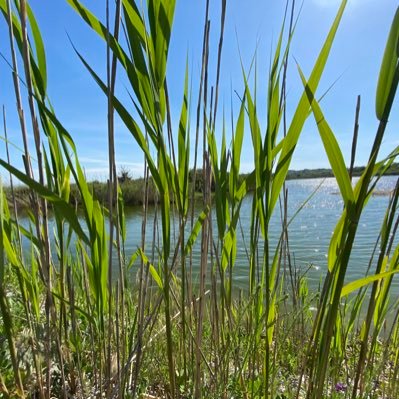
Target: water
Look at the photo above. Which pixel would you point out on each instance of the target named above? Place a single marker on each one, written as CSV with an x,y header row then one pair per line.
x,y
309,233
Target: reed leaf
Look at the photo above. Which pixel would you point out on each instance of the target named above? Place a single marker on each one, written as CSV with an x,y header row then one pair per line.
x,y
196,230
301,111
40,52
388,67
331,147
355,285
62,206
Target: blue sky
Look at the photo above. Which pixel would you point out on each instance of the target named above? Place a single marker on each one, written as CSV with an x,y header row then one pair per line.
x,y
355,60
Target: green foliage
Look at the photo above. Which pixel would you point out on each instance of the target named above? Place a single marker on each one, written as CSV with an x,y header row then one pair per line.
x,y
79,322
389,65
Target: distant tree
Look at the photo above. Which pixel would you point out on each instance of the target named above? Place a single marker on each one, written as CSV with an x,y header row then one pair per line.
x,y
199,180
124,175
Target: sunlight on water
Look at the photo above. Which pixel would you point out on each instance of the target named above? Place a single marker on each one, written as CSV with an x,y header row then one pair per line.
x,y
309,233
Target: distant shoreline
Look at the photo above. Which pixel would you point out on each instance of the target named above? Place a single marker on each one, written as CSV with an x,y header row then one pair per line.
x,y
321,172
132,189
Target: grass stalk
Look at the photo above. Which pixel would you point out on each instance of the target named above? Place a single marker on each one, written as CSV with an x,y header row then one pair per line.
x,y
112,180
354,140
187,328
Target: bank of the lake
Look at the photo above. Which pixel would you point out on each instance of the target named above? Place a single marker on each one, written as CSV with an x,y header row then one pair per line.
x,y
133,188
309,232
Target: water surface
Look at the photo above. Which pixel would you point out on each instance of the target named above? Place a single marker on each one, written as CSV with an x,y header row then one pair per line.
x,y
309,233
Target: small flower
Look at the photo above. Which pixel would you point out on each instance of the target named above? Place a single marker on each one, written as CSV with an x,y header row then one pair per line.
x,y
339,387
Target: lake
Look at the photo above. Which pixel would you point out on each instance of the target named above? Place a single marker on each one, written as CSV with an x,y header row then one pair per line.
x,y
309,233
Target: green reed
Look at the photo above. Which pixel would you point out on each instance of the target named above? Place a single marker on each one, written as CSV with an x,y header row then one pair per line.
x,y
75,328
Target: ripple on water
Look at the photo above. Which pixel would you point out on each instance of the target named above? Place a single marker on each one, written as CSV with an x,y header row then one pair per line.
x,y
314,224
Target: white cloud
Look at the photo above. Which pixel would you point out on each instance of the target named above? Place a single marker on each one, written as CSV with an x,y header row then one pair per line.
x,y
88,160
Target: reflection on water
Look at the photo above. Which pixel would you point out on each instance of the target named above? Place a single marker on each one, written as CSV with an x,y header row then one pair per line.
x,y
309,232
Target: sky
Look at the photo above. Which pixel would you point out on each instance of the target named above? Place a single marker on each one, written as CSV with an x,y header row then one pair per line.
x,y
251,25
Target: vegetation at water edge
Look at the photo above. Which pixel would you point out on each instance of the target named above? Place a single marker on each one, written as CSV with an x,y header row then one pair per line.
x,y
75,324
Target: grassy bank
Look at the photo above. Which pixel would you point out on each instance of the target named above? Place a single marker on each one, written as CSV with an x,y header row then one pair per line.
x,y
133,189
73,324
132,194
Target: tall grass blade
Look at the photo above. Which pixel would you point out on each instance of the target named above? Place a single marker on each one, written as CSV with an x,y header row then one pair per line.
x,y
301,112
388,67
331,147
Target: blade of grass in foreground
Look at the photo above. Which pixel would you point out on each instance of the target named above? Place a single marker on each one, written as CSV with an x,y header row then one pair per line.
x,y
301,112
343,237
388,67
4,306
64,207
331,146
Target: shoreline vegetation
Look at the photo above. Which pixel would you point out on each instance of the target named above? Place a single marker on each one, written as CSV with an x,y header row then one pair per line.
x,y
73,325
133,188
